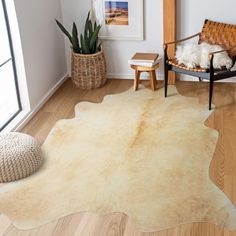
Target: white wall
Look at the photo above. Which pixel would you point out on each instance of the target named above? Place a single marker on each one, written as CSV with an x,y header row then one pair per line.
x,y
191,14
42,44
119,52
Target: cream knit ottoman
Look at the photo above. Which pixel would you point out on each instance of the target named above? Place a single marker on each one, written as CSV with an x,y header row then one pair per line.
x,y
20,156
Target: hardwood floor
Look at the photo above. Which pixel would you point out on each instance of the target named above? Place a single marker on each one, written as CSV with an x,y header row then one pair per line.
x,y
222,169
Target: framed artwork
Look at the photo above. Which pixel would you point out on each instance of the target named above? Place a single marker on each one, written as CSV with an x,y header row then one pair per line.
x,y
120,19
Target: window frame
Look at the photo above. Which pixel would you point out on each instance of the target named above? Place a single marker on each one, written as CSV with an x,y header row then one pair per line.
x,y
12,59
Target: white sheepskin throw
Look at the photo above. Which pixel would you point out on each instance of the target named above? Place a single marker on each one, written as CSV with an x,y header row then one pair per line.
x,y
193,56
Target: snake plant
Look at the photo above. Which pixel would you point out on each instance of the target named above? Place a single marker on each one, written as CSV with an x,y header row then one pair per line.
x,y
89,42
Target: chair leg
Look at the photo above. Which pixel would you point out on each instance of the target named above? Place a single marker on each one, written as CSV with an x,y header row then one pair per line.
x,y
166,79
211,92
200,79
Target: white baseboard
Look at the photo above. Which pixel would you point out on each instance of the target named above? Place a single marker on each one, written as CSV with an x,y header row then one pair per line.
x,y
161,77
22,123
144,76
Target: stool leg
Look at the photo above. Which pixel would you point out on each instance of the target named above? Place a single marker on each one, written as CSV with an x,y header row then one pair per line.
x,y
136,80
153,80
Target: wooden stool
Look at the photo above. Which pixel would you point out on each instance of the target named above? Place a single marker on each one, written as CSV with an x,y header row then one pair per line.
x,y
150,70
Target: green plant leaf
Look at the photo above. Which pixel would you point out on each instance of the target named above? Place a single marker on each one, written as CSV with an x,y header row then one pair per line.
x,y
99,48
84,46
86,28
95,25
94,37
88,17
95,46
90,27
63,29
75,39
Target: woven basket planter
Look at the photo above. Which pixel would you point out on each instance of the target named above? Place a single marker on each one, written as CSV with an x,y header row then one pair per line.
x,y
88,71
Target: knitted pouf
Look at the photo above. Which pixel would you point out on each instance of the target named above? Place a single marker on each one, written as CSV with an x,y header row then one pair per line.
x,y
20,156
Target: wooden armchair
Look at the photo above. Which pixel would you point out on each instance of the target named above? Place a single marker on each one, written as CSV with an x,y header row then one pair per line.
x,y
212,33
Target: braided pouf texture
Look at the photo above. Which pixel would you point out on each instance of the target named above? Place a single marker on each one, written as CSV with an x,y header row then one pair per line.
x,y
20,156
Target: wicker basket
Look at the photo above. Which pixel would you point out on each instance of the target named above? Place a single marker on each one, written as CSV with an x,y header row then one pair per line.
x,y
88,71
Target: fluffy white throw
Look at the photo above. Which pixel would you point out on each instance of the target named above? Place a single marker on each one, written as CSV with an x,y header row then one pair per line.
x,y
193,56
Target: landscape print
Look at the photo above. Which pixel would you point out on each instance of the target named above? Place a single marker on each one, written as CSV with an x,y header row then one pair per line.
x,y
116,13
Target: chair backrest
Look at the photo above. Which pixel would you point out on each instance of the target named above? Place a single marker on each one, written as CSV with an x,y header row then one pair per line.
x,y
220,34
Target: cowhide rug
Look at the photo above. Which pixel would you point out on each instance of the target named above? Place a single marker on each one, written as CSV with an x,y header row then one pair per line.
x,y
136,153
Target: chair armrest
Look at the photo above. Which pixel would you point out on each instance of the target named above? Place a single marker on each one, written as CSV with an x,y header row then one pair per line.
x,y
181,40
216,52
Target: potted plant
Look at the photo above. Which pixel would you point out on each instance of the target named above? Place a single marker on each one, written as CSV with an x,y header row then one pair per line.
x,y
88,65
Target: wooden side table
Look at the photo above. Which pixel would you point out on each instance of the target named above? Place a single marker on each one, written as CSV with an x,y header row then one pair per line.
x,y
150,70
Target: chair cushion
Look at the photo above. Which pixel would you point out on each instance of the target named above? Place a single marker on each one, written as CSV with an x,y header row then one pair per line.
x,y
20,156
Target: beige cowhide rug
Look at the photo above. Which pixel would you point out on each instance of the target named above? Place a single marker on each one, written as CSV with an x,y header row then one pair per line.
x,y
135,153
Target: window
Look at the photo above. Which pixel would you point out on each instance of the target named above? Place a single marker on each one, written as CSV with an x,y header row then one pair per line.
x,y
10,104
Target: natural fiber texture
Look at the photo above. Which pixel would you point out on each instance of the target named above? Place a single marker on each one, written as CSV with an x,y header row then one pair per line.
x,y
136,153
220,34
88,71
20,156
175,63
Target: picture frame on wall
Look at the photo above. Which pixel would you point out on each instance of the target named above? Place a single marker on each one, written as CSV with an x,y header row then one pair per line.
x,y
120,19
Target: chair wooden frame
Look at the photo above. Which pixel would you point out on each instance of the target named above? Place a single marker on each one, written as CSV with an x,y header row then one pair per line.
x,y
210,74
